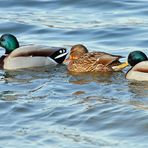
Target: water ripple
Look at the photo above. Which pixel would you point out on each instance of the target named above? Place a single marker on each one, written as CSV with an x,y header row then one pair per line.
x,y
49,107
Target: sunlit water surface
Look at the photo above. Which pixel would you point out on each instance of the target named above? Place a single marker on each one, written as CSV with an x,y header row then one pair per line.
x,y
48,107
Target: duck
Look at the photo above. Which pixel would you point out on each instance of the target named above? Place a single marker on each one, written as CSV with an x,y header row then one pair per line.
x,y
28,56
138,61
80,60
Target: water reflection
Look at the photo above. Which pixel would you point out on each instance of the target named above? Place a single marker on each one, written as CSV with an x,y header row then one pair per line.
x,y
52,108
83,78
140,94
33,83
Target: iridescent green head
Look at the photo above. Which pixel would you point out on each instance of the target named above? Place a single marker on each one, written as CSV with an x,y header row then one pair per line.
x,y
136,57
9,42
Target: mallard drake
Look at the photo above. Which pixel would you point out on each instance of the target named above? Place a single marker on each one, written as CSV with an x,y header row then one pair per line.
x,y
80,60
28,56
139,66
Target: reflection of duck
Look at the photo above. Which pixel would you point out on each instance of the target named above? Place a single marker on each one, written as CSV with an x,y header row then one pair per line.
x,y
139,62
28,56
83,61
101,78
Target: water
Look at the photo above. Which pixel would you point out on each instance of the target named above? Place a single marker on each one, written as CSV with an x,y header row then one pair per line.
x,y
47,107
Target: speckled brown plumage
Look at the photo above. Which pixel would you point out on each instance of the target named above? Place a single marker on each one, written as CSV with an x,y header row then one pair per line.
x,y
92,61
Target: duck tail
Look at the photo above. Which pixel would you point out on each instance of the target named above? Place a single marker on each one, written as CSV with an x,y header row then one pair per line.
x,y
59,56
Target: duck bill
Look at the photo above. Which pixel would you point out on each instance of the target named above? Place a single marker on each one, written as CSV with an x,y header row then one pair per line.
x,y
70,58
120,67
66,60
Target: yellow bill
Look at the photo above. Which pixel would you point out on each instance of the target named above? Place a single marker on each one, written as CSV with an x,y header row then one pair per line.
x,y
120,67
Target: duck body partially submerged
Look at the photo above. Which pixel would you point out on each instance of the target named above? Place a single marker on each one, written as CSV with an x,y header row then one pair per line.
x,y
29,56
139,66
80,60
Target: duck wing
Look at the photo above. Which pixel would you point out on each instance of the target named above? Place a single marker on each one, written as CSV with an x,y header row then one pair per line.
x,y
93,61
103,58
56,53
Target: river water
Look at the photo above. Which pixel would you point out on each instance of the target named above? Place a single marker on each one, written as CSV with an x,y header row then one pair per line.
x,y
48,107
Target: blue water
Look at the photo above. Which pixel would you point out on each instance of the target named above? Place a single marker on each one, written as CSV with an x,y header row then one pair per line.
x,y
46,107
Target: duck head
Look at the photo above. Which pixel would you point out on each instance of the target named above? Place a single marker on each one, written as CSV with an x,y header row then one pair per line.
x,y
9,42
77,51
136,57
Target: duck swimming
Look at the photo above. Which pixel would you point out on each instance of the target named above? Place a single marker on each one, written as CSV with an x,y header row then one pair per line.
x,y
139,66
28,56
80,60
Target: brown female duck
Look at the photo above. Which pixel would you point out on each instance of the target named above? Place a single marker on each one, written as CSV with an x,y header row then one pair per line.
x,y
80,60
